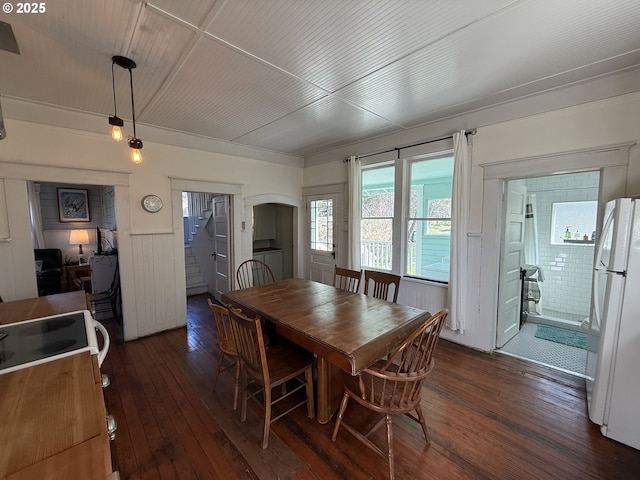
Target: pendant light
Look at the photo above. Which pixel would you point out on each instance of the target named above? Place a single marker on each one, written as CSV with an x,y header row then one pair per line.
x,y
134,142
115,121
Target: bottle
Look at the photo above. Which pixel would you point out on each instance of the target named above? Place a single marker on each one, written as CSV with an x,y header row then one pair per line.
x,y
593,235
585,236
576,235
567,233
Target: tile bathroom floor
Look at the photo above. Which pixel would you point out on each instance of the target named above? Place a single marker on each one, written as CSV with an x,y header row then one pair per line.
x,y
556,355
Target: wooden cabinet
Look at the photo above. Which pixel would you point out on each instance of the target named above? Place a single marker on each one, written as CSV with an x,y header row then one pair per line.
x,y
78,277
53,422
273,258
264,222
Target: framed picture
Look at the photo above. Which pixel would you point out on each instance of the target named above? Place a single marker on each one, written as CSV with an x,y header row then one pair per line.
x,y
73,205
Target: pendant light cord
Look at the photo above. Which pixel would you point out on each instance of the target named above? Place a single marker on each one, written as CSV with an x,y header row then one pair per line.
x,y
133,108
113,88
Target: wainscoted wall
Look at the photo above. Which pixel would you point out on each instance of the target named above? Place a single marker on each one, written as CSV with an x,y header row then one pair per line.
x,y
419,294
159,291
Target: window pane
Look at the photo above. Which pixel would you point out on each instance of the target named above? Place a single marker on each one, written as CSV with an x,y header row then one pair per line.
x,y
377,192
375,243
321,234
439,207
429,222
573,222
428,254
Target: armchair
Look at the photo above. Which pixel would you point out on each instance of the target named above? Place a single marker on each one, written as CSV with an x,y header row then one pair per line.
x,y
49,276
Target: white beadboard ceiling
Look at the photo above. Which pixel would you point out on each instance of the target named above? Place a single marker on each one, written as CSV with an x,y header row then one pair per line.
x,y
301,77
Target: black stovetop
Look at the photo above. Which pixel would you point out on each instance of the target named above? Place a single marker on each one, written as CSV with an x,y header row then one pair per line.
x,y
29,341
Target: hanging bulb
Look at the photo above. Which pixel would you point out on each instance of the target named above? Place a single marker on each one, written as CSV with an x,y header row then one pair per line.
x,y
136,147
136,156
116,133
116,122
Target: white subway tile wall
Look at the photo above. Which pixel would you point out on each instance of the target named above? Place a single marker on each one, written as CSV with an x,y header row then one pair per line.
x,y
567,269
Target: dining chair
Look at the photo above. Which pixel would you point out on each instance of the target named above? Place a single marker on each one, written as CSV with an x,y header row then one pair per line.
x,y
252,273
346,279
281,363
110,296
227,346
381,282
393,386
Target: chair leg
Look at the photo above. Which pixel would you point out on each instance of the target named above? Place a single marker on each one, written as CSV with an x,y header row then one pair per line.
x,y
243,387
343,407
236,385
390,446
218,370
423,423
267,417
308,376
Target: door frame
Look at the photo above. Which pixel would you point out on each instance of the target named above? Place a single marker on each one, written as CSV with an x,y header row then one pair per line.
x,y
341,215
611,160
309,252
179,185
243,225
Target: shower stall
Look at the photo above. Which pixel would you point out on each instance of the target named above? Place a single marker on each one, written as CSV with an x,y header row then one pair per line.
x,y
559,248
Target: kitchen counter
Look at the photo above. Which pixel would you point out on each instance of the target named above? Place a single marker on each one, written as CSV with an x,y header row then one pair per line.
x,y
266,249
52,416
53,422
37,307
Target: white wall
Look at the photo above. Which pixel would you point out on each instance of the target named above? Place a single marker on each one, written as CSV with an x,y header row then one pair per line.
x,y
148,255
596,124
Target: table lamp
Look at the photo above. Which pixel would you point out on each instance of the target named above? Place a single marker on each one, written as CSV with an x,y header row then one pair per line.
x,y
78,237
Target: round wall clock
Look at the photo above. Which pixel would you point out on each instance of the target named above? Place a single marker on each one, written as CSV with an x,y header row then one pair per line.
x,y
151,203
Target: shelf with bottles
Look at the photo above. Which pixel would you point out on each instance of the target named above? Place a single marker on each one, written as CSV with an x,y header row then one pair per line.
x,y
580,242
577,238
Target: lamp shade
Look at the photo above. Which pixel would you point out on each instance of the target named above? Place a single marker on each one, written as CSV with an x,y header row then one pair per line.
x,y
79,237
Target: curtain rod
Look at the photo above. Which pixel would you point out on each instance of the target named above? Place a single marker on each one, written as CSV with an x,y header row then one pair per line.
x,y
397,149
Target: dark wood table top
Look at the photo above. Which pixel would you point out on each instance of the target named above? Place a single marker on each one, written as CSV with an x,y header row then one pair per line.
x,y
349,330
37,307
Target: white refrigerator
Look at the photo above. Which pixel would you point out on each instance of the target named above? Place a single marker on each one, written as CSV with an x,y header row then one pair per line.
x,y
613,350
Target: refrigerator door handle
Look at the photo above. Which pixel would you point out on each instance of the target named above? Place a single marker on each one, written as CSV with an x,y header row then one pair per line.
x,y
599,263
596,300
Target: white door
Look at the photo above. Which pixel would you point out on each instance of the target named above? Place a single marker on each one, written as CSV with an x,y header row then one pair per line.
x,y
221,245
321,239
510,283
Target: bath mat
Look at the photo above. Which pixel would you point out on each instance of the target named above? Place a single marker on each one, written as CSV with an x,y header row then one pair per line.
x,y
560,335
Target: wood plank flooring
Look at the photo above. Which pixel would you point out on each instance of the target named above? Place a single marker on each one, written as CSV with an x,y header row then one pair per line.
x,y
490,417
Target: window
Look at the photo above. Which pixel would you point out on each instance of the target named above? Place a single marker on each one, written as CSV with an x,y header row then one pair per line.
x,y
573,222
321,224
376,224
429,220
418,217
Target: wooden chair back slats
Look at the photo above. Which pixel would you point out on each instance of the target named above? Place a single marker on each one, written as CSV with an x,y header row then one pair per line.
x,y
227,345
250,345
378,284
394,386
346,279
223,325
252,273
275,367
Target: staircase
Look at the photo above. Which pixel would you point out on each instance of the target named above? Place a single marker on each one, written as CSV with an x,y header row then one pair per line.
x,y
195,279
195,235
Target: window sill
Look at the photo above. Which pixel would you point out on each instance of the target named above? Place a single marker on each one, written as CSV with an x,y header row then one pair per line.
x,y
424,281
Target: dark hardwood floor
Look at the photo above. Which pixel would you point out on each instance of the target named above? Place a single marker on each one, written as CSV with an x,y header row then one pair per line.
x,y
490,417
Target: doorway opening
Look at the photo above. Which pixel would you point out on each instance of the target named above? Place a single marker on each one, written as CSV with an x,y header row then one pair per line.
x,y
272,237
206,226
546,268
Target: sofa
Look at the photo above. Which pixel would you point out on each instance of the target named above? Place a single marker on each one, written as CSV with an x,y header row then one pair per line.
x,y
48,270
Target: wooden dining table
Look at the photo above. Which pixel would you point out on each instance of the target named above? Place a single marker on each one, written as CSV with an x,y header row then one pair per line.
x,y
347,331
45,306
